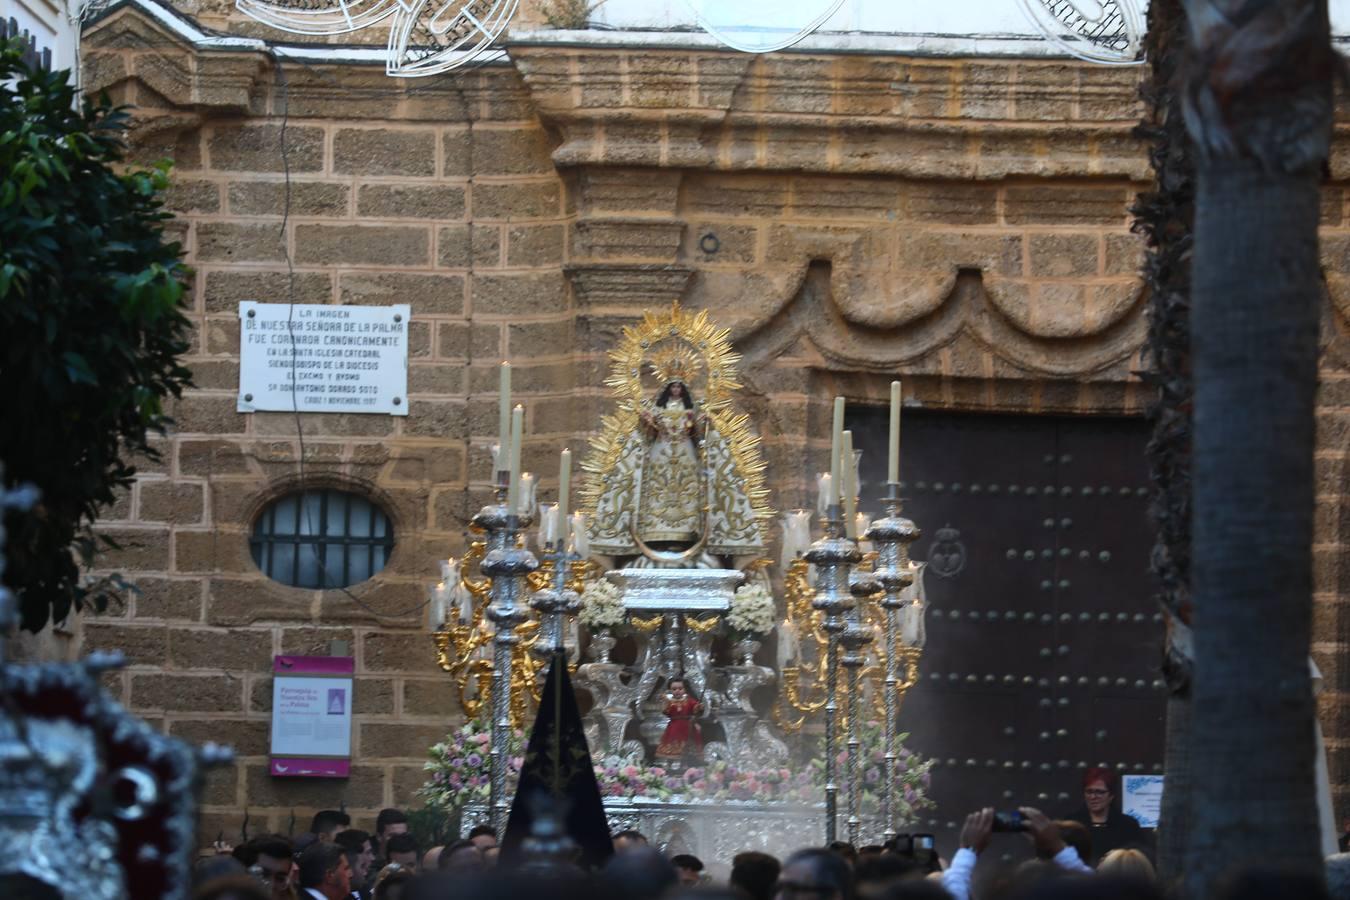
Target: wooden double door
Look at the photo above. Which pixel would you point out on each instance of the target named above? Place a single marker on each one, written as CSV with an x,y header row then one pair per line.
x,y
1043,637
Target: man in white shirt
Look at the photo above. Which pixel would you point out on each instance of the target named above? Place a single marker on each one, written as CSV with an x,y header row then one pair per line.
x,y
325,873
975,837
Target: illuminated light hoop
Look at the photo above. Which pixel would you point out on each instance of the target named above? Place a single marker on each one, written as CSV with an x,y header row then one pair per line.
x,y
480,21
1106,32
318,16
1109,35
728,37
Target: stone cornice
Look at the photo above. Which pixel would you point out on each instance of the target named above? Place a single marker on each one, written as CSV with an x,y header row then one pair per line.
x,y
921,118
165,61
128,44
628,287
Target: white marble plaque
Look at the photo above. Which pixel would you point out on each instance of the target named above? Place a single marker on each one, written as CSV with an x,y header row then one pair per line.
x,y
320,358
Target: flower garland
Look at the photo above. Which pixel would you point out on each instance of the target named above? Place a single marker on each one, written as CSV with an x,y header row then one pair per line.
x,y
459,775
602,605
752,611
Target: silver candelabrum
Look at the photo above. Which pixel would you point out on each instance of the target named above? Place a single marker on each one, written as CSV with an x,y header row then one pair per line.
x,y
862,584
507,564
555,602
834,555
891,536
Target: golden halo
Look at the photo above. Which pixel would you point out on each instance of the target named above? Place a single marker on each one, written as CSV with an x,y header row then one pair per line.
x,y
666,343
672,341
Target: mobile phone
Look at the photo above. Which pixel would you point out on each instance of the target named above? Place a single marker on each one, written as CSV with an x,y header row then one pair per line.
x,y
922,849
1009,821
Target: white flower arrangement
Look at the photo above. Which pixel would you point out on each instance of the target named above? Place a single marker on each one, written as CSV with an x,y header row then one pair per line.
x,y
601,605
752,610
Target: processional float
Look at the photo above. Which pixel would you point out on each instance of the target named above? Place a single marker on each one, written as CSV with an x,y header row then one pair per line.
x,y
670,548
95,804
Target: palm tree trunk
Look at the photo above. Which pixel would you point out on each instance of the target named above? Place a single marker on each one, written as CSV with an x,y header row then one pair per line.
x,y
1165,216
1258,104
1175,817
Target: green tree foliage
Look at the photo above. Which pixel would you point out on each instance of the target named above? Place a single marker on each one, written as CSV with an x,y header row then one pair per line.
x,y
91,326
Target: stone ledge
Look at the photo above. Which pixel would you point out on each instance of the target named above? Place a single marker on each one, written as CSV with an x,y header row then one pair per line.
x,y
631,287
177,74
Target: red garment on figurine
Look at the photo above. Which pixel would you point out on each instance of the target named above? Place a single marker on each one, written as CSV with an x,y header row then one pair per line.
x,y
682,735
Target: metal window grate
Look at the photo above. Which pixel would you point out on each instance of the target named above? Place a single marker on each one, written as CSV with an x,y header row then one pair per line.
x,y
321,539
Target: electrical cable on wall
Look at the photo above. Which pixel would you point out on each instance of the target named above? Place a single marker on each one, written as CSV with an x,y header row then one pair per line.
x,y
324,581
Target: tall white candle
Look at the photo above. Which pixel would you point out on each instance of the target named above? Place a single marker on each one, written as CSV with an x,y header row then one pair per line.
x,y
564,484
836,445
465,602
893,458
439,595
548,524
581,542
862,522
911,614
911,623
801,525
513,461
528,484
796,536
789,647
850,489
504,415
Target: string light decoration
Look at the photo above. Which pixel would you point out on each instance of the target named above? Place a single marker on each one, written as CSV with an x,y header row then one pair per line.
x,y
426,37
431,37
1106,32
434,36
318,16
762,26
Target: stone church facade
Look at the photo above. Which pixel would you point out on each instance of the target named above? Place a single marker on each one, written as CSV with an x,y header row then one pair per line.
x,y
961,222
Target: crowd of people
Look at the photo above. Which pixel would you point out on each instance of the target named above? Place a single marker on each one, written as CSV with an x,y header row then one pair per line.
x,y
1093,855
337,862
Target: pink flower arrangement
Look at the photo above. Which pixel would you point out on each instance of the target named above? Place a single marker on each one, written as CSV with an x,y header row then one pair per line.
x,y
460,767
911,773
458,774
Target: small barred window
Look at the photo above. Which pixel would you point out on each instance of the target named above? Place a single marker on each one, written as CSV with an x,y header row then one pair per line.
x,y
321,539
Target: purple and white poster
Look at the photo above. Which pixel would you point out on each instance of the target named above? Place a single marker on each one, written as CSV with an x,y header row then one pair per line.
x,y
312,716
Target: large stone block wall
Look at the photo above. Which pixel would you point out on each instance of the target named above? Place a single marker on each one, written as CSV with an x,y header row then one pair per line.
x,y
961,223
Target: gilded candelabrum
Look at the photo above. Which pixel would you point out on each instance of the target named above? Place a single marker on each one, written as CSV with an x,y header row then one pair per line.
x,y
891,535
461,642
803,677
834,555
877,680
507,565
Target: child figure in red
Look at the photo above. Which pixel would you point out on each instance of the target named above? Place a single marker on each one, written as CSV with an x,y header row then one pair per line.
x,y
682,740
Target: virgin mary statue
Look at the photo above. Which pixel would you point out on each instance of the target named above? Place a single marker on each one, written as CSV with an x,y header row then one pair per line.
x,y
675,476
670,507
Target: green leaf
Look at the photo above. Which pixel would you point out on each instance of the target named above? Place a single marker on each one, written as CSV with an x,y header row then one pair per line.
x,y
77,369
90,323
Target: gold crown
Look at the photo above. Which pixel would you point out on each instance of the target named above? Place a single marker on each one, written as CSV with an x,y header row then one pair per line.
x,y
673,364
